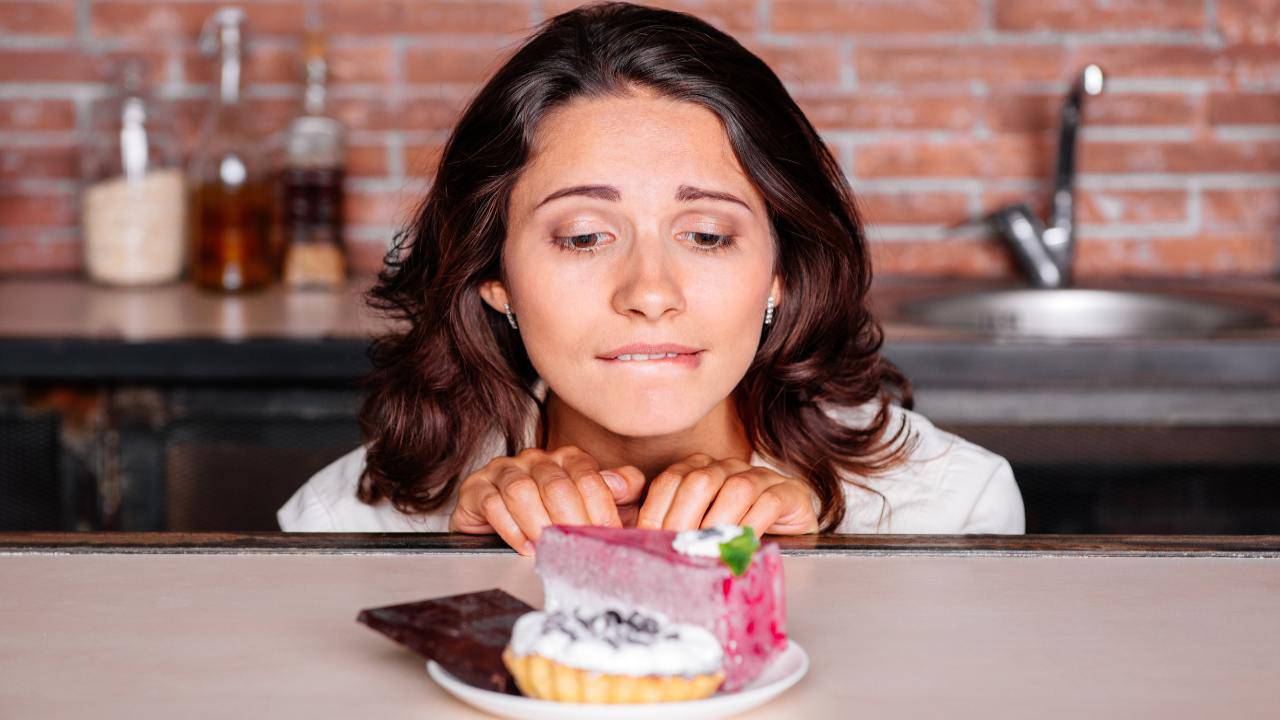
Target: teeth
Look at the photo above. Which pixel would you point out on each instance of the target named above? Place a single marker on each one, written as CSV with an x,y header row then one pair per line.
x,y
641,356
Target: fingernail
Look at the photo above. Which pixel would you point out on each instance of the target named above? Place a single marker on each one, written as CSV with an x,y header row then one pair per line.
x,y
616,482
527,549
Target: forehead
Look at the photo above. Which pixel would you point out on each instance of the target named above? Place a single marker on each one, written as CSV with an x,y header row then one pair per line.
x,y
639,142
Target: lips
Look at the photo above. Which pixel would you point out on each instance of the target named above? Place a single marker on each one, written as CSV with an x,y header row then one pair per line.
x,y
680,360
649,349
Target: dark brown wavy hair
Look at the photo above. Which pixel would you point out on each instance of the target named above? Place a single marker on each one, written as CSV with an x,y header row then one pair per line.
x,y
454,370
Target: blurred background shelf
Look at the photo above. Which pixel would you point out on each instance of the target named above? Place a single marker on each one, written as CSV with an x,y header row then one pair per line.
x,y
174,409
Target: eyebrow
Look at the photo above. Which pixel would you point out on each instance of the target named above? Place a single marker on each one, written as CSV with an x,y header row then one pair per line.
x,y
684,193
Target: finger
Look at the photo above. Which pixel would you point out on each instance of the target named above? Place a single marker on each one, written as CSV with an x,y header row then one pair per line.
x,y
689,464
523,501
560,495
499,519
736,496
595,489
662,490
800,509
574,459
597,498
763,513
627,484
696,492
467,517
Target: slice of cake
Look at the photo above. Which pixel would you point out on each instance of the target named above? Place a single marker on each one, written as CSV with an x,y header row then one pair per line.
x,y
717,579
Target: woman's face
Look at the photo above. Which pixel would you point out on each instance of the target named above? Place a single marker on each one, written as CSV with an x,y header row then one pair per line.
x,y
633,223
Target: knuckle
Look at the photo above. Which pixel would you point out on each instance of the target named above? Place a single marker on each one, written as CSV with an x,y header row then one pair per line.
x,y
470,482
700,479
510,473
529,455
739,486
492,504
543,465
559,488
770,499
676,471
588,482
701,458
663,481
575,457
521,487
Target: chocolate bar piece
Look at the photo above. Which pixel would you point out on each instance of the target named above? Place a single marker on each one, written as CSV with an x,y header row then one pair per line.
x,y
466,633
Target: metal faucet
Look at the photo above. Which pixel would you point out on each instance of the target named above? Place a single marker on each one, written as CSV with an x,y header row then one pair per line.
x,y
1046,253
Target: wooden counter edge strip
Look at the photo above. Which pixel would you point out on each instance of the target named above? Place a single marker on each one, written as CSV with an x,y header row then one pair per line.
x,y
1246,546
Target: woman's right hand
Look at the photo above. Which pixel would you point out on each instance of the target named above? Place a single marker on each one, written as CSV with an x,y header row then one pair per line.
x,y
516,497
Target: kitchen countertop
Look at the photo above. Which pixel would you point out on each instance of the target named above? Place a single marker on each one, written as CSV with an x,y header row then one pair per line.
x,y
1240,546
944,624
67,329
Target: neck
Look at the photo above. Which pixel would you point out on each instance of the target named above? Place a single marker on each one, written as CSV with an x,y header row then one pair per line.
x,y
719,434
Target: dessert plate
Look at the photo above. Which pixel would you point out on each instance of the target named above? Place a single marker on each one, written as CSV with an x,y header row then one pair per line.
x,y
785,671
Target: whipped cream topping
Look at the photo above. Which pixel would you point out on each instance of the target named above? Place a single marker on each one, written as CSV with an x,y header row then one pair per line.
x,y
618,643
704,542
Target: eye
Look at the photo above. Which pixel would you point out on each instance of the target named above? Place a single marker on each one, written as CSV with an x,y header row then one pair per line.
x,y
710,242
592,242
587,243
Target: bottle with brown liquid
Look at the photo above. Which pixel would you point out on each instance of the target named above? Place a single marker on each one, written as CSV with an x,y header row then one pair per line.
x,y
231,209
310,187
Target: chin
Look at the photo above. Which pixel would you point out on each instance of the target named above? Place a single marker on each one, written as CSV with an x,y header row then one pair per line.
x,y
652,417
647,429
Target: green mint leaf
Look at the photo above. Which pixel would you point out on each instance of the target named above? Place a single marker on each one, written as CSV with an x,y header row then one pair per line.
x,y
737,553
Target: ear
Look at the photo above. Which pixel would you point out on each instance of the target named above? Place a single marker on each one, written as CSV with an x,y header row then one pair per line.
x,y
495,294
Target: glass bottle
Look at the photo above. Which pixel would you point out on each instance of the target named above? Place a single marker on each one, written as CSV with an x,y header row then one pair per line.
x,y
231,208
310,187
133,205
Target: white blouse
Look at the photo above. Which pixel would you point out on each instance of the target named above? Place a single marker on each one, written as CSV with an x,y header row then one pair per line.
x,y
947,485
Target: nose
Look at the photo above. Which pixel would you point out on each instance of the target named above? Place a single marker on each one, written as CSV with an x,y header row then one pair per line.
x,y
649,284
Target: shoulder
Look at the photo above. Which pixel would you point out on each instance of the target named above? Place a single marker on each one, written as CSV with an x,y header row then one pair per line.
x,y
327,502
946,484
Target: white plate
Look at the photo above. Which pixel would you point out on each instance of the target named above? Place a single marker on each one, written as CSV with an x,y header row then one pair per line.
x,y
782,673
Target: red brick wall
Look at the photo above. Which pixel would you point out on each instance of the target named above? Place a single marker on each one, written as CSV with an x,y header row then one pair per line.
x,y
939,109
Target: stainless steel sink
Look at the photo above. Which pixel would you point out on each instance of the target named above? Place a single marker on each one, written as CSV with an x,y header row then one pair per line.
x,y
1079,313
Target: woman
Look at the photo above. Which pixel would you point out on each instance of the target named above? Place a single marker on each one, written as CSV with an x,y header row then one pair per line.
x,y
636,295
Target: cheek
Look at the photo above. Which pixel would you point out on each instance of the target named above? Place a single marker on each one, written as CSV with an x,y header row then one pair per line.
x,y
559,315
728,305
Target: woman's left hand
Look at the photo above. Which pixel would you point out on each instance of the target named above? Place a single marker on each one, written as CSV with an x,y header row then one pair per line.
x,y
701,492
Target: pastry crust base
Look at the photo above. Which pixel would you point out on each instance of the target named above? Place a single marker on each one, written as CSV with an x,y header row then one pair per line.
x,y
544,679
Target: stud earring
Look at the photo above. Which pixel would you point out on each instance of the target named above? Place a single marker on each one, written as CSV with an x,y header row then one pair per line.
x,y
511,318
768,313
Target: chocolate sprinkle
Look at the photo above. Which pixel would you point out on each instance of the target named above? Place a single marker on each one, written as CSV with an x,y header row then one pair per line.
x,y
609,626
